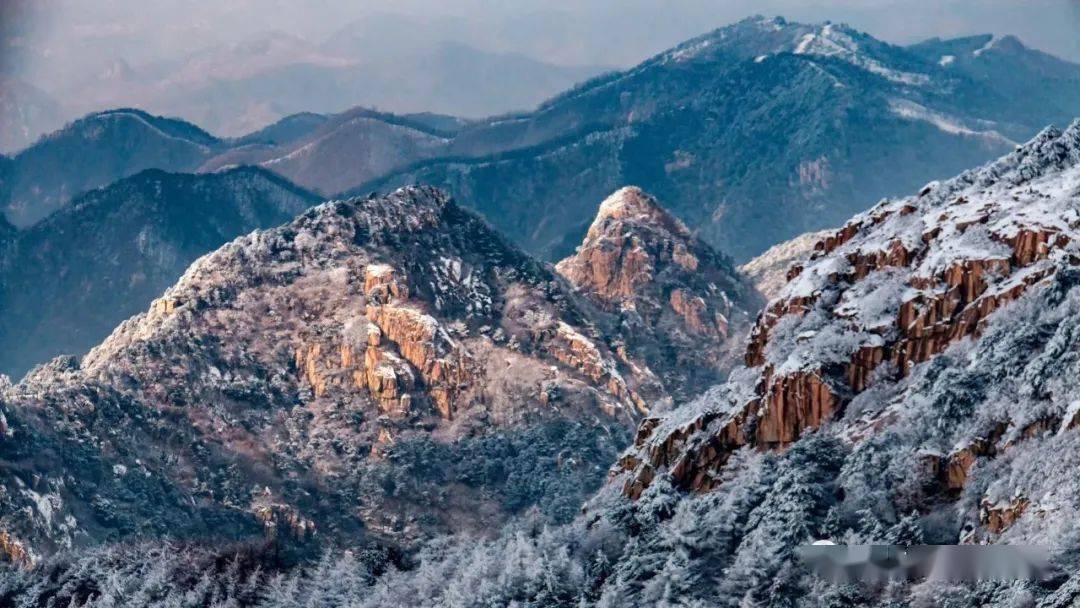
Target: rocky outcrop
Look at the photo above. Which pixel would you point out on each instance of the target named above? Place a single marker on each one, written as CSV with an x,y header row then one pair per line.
x,y
894,288
683,304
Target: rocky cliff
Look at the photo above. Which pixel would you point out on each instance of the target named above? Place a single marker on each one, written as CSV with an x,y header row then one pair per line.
x,y
934,333
680,303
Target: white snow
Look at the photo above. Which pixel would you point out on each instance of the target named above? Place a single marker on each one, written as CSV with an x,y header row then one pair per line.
x,y
910,110
829,41
946,60
986,47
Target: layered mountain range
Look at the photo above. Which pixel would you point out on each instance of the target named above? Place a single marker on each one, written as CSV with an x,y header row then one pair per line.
x,y
379,369
96,151
695,125
414,393
68,280
754,133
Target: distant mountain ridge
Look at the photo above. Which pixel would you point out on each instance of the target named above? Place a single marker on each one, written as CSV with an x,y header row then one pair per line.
x,y
68,280
323,153
753,133
97,150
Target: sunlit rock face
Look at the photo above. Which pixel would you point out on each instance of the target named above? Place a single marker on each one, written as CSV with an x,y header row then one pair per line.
x,y
681,303
933,331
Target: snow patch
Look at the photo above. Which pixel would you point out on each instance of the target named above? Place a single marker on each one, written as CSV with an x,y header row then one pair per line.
x,y
910,110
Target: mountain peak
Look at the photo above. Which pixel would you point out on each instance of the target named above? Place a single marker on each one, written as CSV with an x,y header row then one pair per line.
x,y
1050,151
640,262
632,204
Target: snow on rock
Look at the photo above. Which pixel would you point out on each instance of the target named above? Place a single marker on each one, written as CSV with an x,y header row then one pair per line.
x,y
910,110
944,320
303,354
769,270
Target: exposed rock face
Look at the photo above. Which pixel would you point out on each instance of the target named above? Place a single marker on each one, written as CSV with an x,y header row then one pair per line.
x,y
296,358
681,302
864,321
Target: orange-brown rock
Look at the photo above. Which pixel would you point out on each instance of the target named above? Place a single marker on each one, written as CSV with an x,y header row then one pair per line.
x,y
444,368
679,299
13,550
791,405
998,518
572,348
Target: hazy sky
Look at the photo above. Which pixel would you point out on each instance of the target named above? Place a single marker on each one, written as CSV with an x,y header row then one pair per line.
x,y
598,32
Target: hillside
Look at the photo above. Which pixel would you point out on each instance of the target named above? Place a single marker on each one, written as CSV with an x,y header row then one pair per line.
x,y
331,153
752,134
68,280
95,151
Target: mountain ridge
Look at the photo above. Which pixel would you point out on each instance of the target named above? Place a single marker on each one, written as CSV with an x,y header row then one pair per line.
x,y
70,278
958,115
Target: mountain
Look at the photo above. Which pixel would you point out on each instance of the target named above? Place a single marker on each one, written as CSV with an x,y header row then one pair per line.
x,y
913,383
25,113
66,281
285,131
920,368
331,153
681,304
324,153
95,151
751,134
379,370
1032,84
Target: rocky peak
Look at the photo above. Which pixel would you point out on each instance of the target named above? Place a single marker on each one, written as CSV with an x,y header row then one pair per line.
x,y
303,356
891,290
669,288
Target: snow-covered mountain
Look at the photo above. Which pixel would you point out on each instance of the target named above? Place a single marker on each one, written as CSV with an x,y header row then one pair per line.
x,y
931,346
915,373
914,383
752,134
